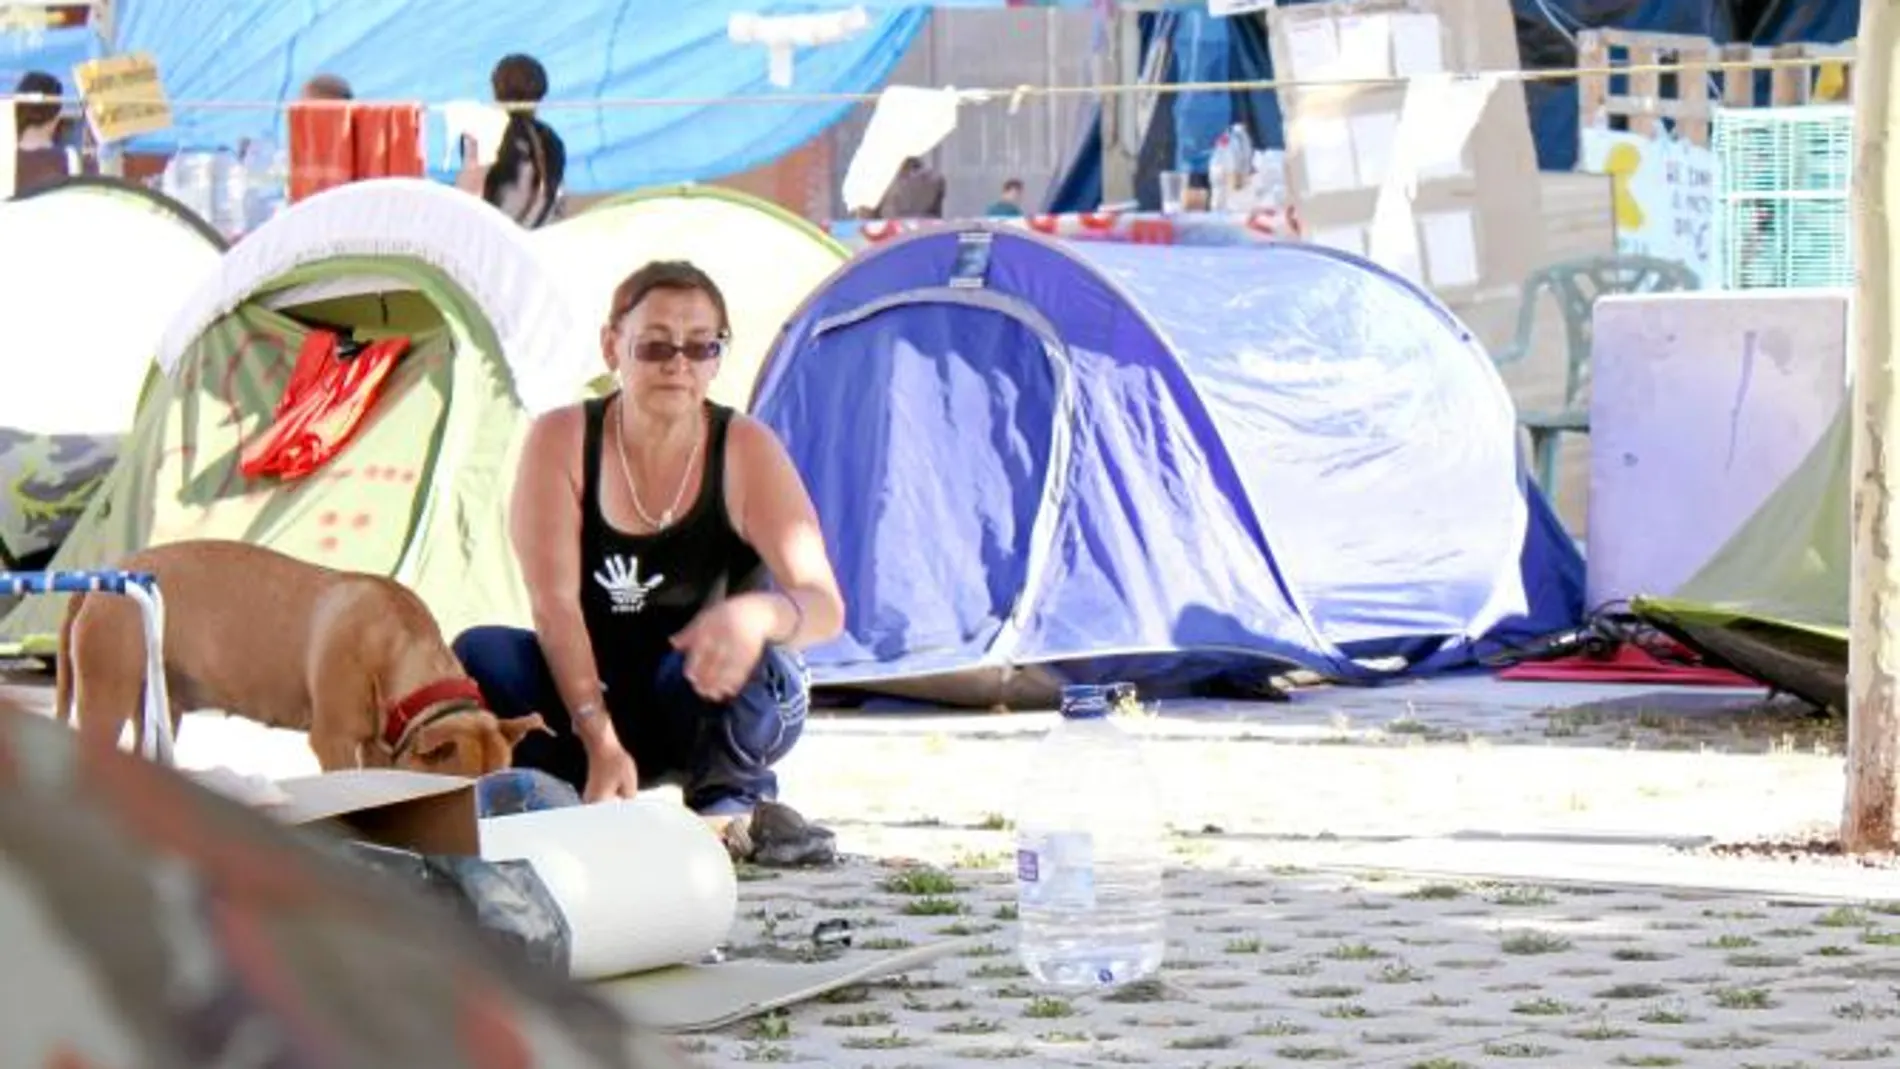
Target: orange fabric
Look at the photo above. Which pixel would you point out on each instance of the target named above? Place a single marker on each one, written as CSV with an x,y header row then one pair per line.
x,y
334,144
321,152
322,407
387,140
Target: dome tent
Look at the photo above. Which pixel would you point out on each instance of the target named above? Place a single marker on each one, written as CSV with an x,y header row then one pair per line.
x,y
96,269
1773,603
764,259
420,491
1166,465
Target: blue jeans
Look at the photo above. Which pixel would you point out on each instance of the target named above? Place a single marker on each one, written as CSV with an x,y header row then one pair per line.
x,y
720,753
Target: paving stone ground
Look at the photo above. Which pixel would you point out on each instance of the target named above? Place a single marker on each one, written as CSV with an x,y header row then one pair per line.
x,y
1295,936
1276,966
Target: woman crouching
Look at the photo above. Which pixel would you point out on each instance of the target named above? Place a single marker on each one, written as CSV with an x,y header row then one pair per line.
x,y
674,566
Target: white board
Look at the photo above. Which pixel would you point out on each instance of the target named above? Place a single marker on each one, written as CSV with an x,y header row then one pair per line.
x,y
1701,405
1663,194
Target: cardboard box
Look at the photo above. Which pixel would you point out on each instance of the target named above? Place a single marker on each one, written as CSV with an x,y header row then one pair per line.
x,y
406,810
1475,218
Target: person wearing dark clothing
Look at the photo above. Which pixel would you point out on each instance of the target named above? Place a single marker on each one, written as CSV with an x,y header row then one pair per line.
x,y
674,567
916,193
530,165
40,159
1010,204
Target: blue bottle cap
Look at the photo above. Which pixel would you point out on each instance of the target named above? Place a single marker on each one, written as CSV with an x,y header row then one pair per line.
x,y
1085,701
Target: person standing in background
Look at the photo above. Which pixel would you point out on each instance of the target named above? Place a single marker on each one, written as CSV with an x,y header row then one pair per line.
x,y
328,87
40,159
531,163
1010,204
916,193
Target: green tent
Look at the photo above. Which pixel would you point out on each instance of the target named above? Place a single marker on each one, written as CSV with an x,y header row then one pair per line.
x,y
420,493
1772,603
765,259
95,268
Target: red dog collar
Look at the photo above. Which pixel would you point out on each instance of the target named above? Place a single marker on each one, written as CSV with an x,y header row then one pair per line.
x,y
402,715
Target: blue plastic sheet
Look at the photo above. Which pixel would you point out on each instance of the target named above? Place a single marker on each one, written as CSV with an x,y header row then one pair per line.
x,y
56,53
440,50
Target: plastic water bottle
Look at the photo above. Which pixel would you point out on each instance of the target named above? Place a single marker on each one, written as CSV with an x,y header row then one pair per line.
x,y
1241,147
187,179
1269,178
1089,853
1220,167
264,181
230,193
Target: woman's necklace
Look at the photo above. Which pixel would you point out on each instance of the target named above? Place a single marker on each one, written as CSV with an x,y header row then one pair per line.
x,y
626,472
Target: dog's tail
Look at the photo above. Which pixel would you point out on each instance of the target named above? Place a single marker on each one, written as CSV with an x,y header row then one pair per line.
x,y
63,662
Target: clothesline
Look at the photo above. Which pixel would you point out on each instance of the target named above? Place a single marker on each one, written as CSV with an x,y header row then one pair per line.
x,y
1015,95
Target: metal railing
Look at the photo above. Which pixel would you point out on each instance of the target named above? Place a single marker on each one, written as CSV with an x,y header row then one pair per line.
x,y
143,590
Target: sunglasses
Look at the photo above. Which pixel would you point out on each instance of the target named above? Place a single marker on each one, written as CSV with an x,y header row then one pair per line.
x,y
659,352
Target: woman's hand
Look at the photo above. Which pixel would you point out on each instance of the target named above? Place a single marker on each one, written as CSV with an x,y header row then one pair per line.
x,y
610,774
723,645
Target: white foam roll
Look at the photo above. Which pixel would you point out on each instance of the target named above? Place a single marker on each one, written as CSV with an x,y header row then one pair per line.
x,y
645,883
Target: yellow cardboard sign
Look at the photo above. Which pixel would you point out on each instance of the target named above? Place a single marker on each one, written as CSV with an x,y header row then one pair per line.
x,y
124,96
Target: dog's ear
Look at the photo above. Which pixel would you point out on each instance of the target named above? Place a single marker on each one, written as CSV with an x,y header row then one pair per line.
x,y
517,728
438,743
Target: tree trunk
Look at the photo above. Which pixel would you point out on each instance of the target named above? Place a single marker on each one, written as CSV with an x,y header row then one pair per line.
x,y
1873,720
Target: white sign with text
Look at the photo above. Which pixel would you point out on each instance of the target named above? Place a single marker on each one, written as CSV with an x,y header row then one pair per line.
x,y
1223,8
1664,193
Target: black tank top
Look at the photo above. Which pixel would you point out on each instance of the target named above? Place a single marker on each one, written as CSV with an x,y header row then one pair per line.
x,y
638,590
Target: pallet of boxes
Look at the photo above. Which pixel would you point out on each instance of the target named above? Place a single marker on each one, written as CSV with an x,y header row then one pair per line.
x,y
1652,130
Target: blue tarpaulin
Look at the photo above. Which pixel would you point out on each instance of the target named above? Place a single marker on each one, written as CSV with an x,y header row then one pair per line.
x,y
236,51
56,53
1158,462
259,54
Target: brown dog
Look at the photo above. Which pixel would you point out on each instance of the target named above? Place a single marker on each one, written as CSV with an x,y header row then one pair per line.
x,y
355,660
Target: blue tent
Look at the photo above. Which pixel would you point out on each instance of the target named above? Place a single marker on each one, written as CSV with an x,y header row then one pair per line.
x,y
1168,465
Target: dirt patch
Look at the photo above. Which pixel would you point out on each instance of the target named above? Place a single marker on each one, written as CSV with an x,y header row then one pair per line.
x,y
1689,721
1822,850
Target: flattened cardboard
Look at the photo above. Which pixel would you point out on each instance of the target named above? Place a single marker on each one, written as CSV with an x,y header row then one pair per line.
x,y
1340,128
388,807
704,998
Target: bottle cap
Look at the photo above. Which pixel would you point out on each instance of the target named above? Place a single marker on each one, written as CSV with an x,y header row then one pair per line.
x,y
1085,701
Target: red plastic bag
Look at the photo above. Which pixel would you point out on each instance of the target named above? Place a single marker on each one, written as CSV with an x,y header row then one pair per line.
x,y
322,407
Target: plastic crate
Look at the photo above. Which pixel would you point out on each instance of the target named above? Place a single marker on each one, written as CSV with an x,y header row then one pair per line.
x,y
1784,201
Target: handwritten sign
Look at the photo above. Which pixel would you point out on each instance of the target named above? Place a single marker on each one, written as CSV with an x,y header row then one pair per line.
x,y
124,96
1664,193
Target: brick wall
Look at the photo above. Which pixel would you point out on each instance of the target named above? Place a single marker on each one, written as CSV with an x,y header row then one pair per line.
x,y
800,181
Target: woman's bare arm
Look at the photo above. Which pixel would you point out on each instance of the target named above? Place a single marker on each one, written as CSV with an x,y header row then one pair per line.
x,y
544,518
773,512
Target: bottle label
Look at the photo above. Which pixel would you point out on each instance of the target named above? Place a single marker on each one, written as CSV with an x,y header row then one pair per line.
x,y
1056,870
